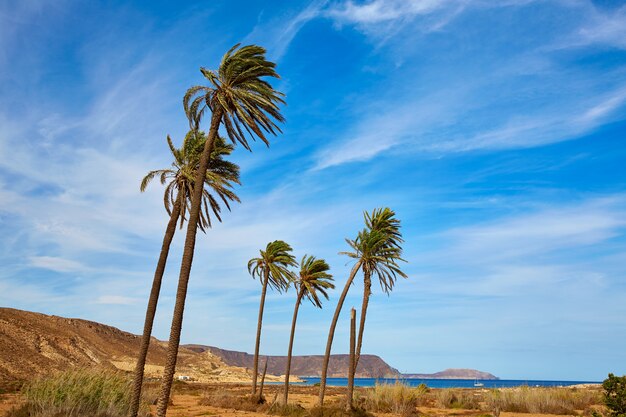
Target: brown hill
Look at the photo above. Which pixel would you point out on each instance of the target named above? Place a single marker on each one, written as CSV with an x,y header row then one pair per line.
x,y
32,344
454,374
370,366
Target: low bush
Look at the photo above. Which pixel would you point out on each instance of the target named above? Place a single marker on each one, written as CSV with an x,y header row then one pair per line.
x,y
79,393
19,411
615,395
395,398
456,398
541,400
338,410
287,410
225,399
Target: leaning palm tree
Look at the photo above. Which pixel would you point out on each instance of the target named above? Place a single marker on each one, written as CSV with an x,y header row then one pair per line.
x,y
239,100
272,269
379,251
313,279
218,181
381,240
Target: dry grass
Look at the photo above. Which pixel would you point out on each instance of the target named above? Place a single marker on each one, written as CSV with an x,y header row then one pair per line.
x,y
78,393
457,398
234,401
542,400
395,398
338,410
287,410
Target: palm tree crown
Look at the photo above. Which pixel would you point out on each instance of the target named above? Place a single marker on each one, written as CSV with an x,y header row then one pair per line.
x,y
314,279
237,92
219,177
275,260
378,248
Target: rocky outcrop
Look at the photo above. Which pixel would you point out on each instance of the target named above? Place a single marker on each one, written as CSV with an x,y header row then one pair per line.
x,y
370,366
454,374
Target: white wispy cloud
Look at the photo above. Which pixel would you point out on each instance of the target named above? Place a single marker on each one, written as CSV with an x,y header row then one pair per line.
x,y
599,28
546,231
277,34
413,118
552,126
382,10
57,264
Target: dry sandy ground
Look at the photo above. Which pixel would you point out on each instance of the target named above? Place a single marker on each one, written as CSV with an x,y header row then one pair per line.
x,y
185,402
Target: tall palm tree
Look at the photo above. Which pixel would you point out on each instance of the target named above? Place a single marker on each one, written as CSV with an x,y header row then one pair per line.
x,y
312,279
272,269
218,180
240,100
380,240
379,250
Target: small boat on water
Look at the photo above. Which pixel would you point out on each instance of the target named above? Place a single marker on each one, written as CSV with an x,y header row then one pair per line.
x,y
477,383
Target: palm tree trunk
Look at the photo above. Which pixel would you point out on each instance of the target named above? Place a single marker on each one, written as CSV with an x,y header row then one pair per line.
x,y
152,305
331,332
255,365
352,365
185,268
293,331
262,382
367,291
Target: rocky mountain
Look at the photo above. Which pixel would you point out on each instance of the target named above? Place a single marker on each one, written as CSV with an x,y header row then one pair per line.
x,y
32,344
370,366
454,374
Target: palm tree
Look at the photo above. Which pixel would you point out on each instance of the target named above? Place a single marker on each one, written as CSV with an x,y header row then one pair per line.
x,y
219,178
313,279
378,242
379,251
239,99
272,269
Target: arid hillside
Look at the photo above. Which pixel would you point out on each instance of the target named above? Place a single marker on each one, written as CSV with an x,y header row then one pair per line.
x,y
370,366
32,344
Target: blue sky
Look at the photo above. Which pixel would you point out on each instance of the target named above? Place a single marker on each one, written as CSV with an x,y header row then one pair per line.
x,y
494,129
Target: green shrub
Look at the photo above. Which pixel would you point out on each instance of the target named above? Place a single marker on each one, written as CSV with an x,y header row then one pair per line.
x,y
615,395
78,393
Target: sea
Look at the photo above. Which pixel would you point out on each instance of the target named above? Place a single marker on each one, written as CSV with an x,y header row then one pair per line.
x,y
445,383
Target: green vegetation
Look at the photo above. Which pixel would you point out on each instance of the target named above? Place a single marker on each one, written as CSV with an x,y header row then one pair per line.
x,y
615,395
79,393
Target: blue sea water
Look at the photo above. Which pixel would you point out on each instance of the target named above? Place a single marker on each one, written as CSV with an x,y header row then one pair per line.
x,y
447,383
